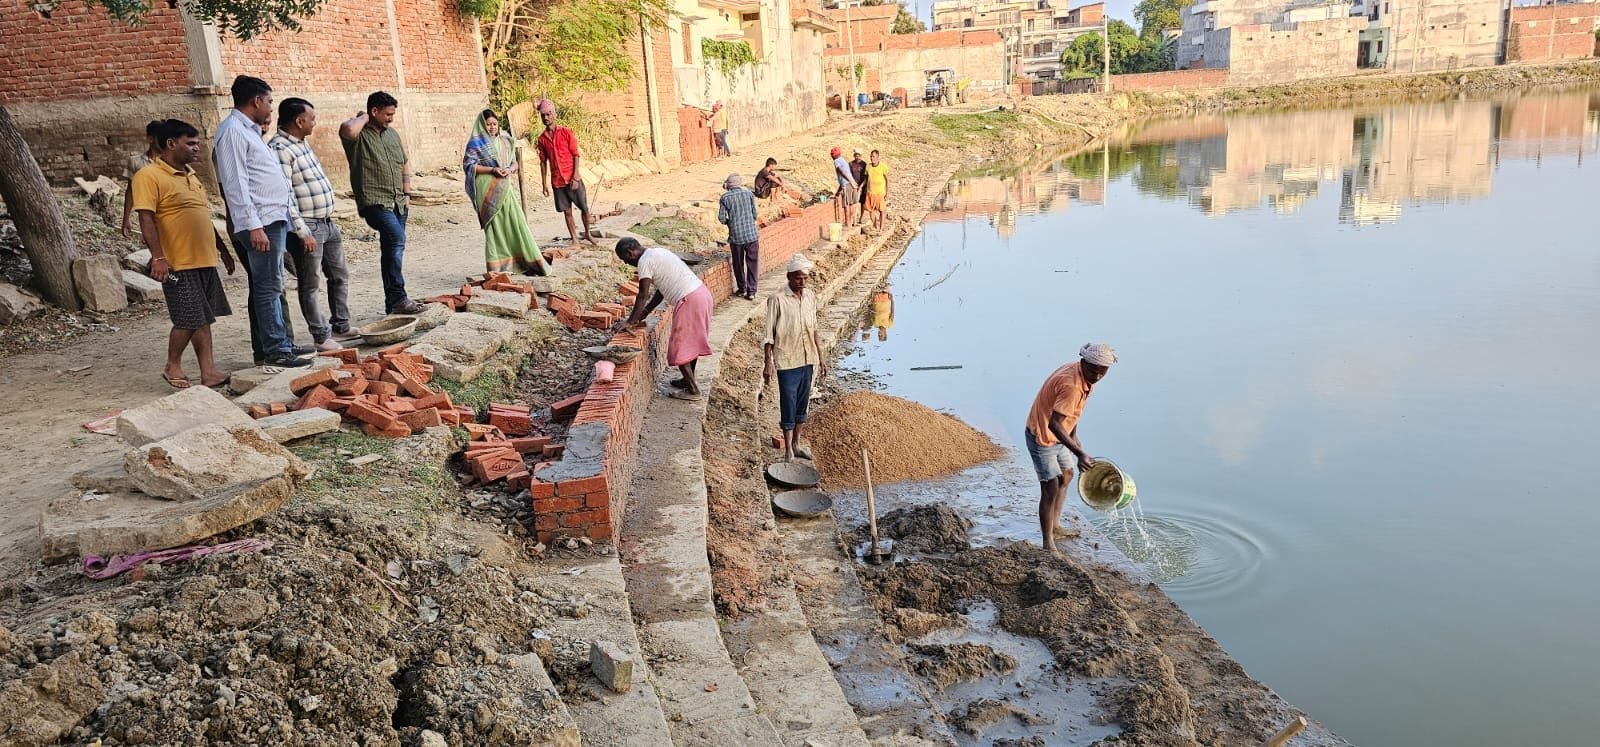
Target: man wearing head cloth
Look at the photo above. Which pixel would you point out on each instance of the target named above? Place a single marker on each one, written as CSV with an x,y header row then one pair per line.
x,y
1052,430
737,211
794,354
559,174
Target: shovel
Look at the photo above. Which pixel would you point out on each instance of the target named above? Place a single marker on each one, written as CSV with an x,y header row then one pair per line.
x,y
876,554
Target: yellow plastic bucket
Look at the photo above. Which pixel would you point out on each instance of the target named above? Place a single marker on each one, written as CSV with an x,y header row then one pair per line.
x,y
1104,486
835,232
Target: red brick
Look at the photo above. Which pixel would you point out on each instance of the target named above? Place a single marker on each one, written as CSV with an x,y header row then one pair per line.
x,y
553,451
438,399
321,377
496,465
586,518
569,319
396,429
316,396
422,419
567,408
478,432
399,347
530,444
370,414
519,480
424,373
583,485
561,505
511,423
542,489
546,522
599,532
277,408
597,499
399,405
450,417
557,303
372,370
351,387
348,355
595,319
338,405
259,411
382,388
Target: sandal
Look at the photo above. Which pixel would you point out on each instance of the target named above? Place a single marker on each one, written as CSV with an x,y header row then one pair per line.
x,y
177,382
685,396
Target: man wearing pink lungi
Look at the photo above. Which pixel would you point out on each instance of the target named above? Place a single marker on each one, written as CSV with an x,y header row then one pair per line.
x,y
664,277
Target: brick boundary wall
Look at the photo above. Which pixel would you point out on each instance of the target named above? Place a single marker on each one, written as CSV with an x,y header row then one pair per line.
x,y
1539,33
591,500
1171,80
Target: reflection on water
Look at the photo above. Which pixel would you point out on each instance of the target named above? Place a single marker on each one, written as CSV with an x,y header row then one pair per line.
x,y
1380,160
1356,344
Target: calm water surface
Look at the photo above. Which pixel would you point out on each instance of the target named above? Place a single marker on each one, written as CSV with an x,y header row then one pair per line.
x,y
1359,351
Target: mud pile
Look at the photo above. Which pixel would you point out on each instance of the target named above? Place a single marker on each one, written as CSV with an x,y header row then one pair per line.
x,y
923,529
907,441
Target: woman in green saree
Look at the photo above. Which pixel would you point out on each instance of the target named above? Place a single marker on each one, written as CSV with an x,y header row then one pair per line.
x,y
491,168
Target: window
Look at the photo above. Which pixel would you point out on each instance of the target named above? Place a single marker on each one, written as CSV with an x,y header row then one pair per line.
x,y
966,23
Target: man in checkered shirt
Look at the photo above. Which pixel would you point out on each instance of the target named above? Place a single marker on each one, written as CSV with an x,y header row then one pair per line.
x,y
313,194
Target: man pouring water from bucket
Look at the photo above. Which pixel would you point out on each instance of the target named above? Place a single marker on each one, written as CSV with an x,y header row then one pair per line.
x,y
1052,430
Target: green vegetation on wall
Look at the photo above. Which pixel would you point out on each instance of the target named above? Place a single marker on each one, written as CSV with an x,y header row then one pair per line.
x,y
728,57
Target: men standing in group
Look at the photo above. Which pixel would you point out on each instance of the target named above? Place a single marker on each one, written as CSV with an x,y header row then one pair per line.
x,y
261,212
664,277
380,176
1052,430
737,211
849,188
324,254
175,221
877,195
793,352
858,169
558,171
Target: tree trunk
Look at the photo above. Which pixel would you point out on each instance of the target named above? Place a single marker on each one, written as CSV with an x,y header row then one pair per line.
x,y
43,230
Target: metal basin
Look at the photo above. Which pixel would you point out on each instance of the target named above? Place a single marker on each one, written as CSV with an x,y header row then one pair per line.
x,y
793,474
618,354
389,330
802,503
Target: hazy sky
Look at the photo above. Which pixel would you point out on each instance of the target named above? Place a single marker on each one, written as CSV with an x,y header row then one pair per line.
x,y
1122,9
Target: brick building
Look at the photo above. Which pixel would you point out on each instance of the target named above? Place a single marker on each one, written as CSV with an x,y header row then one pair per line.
x,y
1537,33
82,86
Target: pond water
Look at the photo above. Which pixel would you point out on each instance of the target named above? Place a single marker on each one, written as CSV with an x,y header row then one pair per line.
x,y
1358,352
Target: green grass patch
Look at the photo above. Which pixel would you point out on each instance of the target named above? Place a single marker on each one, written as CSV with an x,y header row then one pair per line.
x,y
491,386
968,127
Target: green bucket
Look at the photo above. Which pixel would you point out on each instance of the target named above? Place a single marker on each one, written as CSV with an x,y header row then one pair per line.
x,y
1104,486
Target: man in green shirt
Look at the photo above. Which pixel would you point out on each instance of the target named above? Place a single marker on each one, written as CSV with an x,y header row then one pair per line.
x,y
381,180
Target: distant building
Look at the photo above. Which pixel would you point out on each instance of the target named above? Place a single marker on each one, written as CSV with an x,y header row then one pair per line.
x,y
1035,32
888,62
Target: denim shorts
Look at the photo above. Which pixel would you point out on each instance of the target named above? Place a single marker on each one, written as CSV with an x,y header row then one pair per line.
x,y
1049,462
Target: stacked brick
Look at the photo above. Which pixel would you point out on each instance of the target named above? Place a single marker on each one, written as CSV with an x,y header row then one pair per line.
x,y
387,393
491,281
493,454
597,316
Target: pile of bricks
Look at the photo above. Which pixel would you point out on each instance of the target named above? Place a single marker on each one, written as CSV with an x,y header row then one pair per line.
x,y
491,455
491,281
386,392
597,316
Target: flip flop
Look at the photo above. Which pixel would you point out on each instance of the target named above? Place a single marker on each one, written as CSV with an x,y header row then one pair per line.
x,y
177,382
223,382
685,396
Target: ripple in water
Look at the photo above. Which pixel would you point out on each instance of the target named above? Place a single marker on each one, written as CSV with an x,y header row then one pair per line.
x,y
1196,556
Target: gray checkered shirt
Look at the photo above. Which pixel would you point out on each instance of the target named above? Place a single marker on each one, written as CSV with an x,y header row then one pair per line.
x,y
737,210
313,192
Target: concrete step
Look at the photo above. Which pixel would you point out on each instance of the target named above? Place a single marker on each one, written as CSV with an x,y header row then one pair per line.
x,y
606,718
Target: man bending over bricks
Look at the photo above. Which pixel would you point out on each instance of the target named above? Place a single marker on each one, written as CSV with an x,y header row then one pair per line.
x,y
175,219
664,277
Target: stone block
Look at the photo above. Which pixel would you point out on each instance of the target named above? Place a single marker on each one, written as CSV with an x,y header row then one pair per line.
x,y
141,288
99,283
434,315
17,304
204,460
611,665
128,522
499,303
261,387
299,424
138,261
178,412
458,349
110,477
544,284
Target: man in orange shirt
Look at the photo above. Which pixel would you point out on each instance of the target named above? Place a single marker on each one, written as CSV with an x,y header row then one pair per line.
x,y
1053,430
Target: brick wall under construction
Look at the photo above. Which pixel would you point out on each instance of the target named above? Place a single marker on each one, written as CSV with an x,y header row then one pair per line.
x,y
1538,33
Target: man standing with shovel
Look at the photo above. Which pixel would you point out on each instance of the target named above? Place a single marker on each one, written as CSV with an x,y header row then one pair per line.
x,y
1052,430
794,354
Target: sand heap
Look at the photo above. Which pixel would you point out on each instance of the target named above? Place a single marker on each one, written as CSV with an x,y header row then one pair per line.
x,y
907,441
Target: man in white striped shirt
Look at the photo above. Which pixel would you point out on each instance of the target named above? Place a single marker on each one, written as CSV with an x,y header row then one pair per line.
x,y
324,255
261,211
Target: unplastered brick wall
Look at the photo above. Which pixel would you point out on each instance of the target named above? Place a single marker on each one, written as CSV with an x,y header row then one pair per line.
x,y
592,503
1171,80
628,109
1551,32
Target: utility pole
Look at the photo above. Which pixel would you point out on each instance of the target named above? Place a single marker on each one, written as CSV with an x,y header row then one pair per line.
x,y
850,42
1105,50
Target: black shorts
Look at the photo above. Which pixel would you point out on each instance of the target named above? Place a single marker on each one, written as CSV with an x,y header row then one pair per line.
x,y
570,196
195,298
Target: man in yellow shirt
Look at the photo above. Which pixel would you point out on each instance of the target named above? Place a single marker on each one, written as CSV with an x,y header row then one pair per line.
x,y
1052,430
794,353
718,119
175,219
877,190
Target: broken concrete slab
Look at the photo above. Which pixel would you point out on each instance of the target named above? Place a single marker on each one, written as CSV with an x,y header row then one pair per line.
x,y
611,665
138,261
110,477
99,283
17,304
544,284
433,315
631,215
129,522
178,412
499,303
141,288
299,424
261,387
206,459
458,349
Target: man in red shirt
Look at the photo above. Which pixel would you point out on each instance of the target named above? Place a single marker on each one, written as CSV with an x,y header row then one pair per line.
x,y
558,170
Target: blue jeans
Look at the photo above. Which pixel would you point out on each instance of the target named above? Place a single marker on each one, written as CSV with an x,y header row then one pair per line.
x,y
1049,462
390,223
269,314
794,395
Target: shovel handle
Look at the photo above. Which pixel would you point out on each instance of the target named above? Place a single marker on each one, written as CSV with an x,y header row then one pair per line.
x,y
872,506
1287,732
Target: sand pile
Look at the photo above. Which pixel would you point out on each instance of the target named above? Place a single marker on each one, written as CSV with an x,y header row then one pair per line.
x,y
907,441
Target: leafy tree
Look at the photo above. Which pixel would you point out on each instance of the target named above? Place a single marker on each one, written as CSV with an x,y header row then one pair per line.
x,y
905,23
1083,55
1156,16
242,18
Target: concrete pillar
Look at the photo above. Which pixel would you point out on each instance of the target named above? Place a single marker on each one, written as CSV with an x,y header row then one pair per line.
x,y
409,135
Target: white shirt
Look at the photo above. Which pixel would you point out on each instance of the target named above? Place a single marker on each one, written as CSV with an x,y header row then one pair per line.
x,y
253,184
671,276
